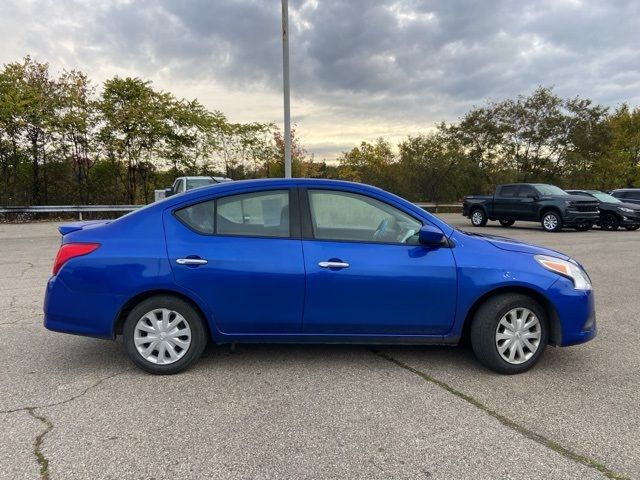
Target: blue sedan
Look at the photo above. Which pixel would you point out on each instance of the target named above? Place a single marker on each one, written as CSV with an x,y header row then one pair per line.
x,y
310,261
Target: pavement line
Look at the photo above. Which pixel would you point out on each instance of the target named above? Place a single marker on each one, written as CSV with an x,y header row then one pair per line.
x,y
555,446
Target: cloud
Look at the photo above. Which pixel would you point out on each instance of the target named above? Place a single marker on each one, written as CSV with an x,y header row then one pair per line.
x,y
381,65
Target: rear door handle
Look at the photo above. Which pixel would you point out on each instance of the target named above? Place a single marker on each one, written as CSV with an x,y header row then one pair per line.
x,y
333,265
191,261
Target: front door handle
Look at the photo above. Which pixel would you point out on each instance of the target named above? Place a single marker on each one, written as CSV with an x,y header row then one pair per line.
x,y
333,265
191,261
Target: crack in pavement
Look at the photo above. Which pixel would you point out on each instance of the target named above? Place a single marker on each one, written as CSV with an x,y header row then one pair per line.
x,y
70,399
43,461
530,434
26,269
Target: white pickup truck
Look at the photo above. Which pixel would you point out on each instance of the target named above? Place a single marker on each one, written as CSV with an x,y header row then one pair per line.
x,y
182,184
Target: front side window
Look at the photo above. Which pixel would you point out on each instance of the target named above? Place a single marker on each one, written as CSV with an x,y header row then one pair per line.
x,y
345,216
526,191
262,214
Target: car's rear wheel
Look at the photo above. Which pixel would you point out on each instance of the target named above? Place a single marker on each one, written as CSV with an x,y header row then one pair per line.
x,y
632,227
507,223
164,335
478,218
551,221
609,221
509,333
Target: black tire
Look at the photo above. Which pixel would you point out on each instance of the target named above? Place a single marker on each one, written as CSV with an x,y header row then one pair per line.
x,y
507,223
485,325
632,227
194,321
551,221
609,221
478,217
584,227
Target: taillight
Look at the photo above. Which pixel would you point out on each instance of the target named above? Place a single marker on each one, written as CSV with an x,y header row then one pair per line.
x,y
70,250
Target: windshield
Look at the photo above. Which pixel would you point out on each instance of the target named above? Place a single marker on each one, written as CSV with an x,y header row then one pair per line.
x,y
198,182
549,190
605,197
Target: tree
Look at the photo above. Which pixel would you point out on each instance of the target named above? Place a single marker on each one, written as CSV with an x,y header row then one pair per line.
x,y
371,163
76,126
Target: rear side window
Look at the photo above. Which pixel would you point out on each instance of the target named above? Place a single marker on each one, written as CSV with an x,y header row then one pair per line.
x,y
199,216
635,195
260,214
508,191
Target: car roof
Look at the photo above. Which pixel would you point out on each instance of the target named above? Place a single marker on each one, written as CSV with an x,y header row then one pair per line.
x,y
240,186
625,189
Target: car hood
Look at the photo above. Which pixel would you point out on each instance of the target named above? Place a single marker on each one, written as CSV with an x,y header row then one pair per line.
x,y
571,198
512,245
633,206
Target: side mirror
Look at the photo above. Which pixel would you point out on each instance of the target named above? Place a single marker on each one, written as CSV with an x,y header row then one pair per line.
x,y
534,197
430,236
168,192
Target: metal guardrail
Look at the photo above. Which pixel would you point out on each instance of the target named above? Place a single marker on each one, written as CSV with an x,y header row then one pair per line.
x,y
80,209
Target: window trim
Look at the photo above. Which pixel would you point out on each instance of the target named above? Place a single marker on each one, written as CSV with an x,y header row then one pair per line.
x,y
306,221
294,214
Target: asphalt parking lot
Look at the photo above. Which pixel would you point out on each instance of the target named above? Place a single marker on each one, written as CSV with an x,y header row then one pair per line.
x,y
75,408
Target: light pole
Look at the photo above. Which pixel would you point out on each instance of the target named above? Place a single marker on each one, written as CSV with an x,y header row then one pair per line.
x,y
285,82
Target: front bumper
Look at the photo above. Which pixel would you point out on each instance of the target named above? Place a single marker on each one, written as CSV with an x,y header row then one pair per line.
x,y
575,313
574,217
630,219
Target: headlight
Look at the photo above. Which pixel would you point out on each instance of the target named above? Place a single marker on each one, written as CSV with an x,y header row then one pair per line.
x,y
567,269
626,210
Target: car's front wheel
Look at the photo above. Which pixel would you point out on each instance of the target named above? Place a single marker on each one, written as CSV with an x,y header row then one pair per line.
x,y
164,335
509,333
551,222
478,218
609,221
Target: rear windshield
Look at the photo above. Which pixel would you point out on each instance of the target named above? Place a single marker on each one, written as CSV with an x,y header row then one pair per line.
x,y
549,189
198,182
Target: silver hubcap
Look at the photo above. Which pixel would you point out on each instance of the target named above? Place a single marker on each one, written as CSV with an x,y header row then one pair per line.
x,y
550,222
518,335
477,218
162,336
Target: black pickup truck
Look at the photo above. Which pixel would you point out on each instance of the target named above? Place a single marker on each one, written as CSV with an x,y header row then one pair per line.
x,y
532,202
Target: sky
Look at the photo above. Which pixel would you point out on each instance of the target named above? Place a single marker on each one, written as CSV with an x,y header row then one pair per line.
x,y
360,69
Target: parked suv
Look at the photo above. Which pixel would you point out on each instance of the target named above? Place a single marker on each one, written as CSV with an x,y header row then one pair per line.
x,y
628,195
532,202
614,213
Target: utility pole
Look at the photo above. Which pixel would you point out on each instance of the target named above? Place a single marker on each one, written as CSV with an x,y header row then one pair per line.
x,y
285,82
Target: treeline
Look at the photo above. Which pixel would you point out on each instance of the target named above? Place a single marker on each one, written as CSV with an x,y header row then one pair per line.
x,y
63,141
537,138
